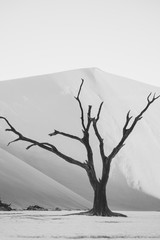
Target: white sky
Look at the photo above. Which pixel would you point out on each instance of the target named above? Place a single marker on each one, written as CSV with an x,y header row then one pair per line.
x,y
46,36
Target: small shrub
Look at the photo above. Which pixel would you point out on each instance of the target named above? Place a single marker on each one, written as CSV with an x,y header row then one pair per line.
x,y
57,209
36,208
5,206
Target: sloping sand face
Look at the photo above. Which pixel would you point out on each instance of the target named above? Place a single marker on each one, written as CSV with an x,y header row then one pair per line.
x,y
37,105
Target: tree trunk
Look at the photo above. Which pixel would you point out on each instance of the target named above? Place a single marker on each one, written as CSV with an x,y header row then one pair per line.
x,y
100,205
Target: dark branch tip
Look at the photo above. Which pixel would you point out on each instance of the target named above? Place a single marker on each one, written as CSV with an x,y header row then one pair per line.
x,y
140,117
17,139
129,114
8,129
99,111
153,98
53,134
157,97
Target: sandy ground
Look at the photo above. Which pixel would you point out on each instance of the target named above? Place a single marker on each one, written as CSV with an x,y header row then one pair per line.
x,y
60,225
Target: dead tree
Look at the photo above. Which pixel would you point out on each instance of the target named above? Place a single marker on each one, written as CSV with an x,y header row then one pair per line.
x,y
100,206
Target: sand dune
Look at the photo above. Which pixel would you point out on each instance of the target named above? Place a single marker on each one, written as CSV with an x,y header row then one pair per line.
x,y
38,105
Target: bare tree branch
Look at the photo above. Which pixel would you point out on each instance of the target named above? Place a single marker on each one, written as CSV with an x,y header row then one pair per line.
x,y
16,140
65,134
43,143
150,101
33,144
80,105
128,118
89,118
99,111
85,140
101,143
46,146
127,130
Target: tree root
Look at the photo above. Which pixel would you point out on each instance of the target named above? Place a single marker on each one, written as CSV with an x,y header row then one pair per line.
x,y
107,213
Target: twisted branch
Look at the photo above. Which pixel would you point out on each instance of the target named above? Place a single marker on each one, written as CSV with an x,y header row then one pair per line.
x,y
46,146
127,130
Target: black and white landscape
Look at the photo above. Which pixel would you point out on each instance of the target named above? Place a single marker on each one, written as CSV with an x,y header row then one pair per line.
x,y
37,105
79,139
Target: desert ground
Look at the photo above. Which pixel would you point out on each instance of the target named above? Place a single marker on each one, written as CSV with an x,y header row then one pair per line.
x,y
24,225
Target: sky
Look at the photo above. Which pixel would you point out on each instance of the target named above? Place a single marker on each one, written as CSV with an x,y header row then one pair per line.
x,y
46,36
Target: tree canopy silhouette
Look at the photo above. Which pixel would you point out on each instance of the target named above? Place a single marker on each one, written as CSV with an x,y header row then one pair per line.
x,y
100,205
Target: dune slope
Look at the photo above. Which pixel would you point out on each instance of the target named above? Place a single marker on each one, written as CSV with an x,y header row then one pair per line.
x,y
38,105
